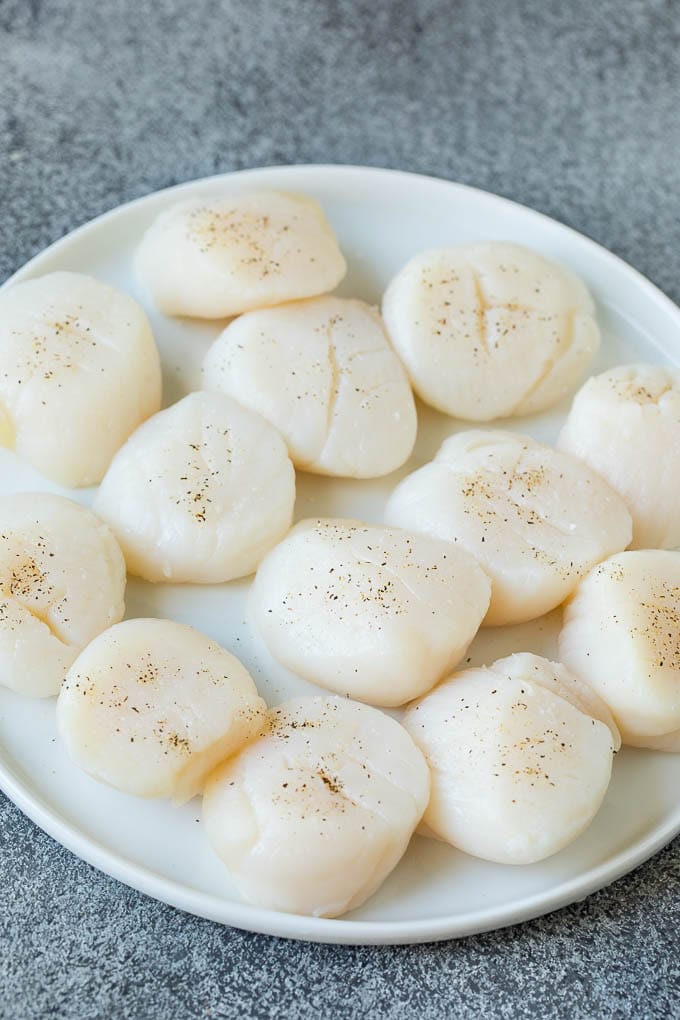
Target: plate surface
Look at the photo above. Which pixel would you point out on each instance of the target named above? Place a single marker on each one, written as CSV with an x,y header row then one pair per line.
x,y
381,218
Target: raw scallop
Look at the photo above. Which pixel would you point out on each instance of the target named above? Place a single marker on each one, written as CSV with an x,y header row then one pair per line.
x,y
200,492
536,520
622,634
491,329
625,424
151,707
79,371
314,815
62,582
520,754
375,613
324,374
220,256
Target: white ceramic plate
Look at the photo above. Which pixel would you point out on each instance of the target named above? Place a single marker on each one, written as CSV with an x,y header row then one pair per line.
x,y
382,218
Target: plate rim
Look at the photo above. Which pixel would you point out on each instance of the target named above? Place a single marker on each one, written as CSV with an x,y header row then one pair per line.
x,y
269,922
337,931
599,250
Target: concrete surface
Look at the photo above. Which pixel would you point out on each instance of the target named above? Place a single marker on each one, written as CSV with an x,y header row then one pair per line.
x,y
571,108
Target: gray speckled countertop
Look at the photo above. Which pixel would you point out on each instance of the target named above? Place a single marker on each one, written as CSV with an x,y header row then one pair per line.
x,y
573,108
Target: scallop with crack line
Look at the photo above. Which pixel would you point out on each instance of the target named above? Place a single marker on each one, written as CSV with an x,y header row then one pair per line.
x,y
313,816
62,582
490,330
323,373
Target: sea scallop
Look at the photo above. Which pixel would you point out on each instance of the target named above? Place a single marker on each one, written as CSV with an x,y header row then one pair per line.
x,y
491,329
62,582
323,373
625,424
312,816
621,633
79,371
200,492
152,706
374,613
520,754
535,519
221,255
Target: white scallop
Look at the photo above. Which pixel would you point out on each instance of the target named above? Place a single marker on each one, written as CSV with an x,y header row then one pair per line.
x,y
223,255
520,755
535,519
62,582
152,706
312,817
323,373
625,423
622,635
200,492
374,613
491,329
79,371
